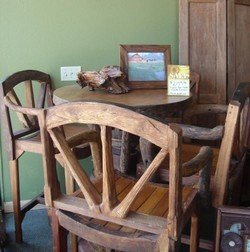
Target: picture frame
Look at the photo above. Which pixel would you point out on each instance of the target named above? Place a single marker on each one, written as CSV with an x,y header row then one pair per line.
x,y
145,66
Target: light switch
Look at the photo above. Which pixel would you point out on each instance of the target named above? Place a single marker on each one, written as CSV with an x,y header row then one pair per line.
x,y
69,73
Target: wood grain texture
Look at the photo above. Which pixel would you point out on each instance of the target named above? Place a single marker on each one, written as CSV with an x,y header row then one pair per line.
x,y
124,119
127,206
134,99
109,193
238,43
122,209
208,59
223,62
92,196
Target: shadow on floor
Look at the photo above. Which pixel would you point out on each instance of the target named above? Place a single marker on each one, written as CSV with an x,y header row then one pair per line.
x,y
36,233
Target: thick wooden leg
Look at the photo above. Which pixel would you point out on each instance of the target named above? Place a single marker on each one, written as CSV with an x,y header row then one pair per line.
x,y
59,234
125,151
194,237
165,244
70,188
15,188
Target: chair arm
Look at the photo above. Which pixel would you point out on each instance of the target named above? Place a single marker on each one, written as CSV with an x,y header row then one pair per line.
x,y
83,138
203,109
24,110
200,133
201,160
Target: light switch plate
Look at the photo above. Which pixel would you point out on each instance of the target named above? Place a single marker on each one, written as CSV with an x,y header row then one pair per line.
x,y
69,73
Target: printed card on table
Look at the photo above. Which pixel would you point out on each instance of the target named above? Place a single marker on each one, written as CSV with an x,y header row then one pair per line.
x,y
178,80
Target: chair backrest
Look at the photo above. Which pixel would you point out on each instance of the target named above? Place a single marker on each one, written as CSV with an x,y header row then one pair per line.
x,y
106,206
195,86
242,95
19,92
234,142
234,137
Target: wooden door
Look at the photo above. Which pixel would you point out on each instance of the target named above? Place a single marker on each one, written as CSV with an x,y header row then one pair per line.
x,y
238,43
203,45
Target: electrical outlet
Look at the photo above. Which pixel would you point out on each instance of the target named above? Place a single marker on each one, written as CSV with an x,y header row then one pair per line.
x,y
69,73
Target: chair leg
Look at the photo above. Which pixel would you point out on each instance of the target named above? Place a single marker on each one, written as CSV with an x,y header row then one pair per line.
x,y
69,182
165,244
73,243
15,188
70,188
59,234
194,237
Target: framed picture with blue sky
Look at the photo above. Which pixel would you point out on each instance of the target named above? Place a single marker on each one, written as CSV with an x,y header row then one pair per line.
x,y
145,66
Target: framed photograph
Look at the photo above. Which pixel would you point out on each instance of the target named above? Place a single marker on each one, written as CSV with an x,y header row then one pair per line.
x,y
145,66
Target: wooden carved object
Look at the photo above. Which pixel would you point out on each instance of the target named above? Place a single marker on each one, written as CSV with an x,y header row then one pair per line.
x,y
110,78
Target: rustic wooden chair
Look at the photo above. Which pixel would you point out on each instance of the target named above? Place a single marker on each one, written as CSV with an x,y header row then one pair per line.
x,y
232,139
18,92
116,211
229,145
229,156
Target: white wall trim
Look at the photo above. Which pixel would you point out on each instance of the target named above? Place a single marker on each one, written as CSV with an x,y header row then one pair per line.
x,y
8,206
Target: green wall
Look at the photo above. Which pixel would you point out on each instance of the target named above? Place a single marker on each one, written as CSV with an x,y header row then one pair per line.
x,y
47,34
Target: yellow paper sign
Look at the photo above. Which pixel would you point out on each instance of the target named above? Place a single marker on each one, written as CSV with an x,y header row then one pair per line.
x,y
178,80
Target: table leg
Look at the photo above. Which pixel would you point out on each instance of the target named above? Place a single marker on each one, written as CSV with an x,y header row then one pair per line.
x,y
125,152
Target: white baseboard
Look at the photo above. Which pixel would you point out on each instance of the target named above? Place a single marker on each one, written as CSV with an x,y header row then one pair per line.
x,y
8,206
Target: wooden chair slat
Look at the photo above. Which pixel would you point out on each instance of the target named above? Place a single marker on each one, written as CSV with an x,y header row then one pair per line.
x,y
139,221
221,176
42,95
142,197
122,184
122,209
24,120
109,198
29,94
161,206
152,201
148,205
30,100
88,189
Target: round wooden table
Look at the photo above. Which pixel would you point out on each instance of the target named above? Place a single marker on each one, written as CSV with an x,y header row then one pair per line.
x,y
151,102
140,98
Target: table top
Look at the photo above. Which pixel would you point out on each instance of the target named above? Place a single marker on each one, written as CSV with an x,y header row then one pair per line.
x,y
140,98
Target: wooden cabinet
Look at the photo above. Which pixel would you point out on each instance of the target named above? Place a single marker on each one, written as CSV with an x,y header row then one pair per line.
x,y
215,41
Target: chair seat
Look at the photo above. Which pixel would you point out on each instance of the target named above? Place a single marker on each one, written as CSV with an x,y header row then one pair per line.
x,y
152,200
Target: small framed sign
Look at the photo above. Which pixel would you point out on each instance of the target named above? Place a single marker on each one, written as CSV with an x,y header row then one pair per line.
x,y
178,80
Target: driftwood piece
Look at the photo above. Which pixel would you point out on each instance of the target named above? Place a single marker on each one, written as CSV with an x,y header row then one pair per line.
x,y
110,78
